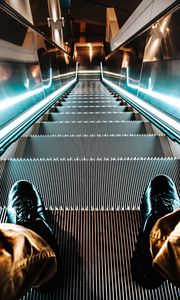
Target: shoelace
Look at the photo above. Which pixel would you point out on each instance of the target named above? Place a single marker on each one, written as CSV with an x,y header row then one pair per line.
x,y
26,210
165,199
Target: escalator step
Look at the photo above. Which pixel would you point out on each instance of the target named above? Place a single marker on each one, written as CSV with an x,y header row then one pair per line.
x,y
91,116
90,93
91,103
91,108
96,248
90,98
50,128
88,146
98,183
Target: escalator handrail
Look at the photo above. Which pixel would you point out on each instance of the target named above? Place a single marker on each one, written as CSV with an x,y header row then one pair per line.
x,y
11,133
166,127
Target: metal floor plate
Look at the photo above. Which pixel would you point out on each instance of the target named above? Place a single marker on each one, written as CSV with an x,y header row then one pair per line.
x,y
92,147
88,183
55,128
96,248
91,116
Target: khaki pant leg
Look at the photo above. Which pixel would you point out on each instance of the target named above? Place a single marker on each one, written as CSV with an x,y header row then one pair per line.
x,y
165,246
26,261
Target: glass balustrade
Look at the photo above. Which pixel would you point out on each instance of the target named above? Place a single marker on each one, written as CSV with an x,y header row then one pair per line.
x,y
149,65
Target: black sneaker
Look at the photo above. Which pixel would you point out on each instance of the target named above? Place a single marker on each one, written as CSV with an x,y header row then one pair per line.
x,y
26,208
24,204
160,198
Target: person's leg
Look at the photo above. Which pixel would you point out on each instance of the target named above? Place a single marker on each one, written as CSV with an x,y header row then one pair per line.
x,y
160,198
165,246
26,208
26,261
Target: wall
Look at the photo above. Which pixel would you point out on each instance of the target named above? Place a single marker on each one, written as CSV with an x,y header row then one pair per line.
x,y
147,11
22,7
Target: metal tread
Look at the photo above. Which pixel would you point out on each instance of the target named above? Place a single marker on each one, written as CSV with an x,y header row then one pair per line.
x,y
91,116
95,96
90,112
87,102
96,121
88,109
96,248
94,135
94,146
87,183
91,106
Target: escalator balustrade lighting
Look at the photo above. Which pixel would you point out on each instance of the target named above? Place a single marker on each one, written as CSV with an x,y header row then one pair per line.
x,y
14,100
164,98
167,123
23,121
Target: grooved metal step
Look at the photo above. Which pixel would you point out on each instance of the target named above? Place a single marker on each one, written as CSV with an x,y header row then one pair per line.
x,y
50,128
96,248
90,92
92,88
90,98
98,146
98,183
91,116
90,108
88,86
90,103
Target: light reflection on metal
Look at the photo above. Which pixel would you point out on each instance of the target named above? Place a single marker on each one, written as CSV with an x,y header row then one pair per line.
x,y
90,52
66,58
114,74
69,74
33,110
17,99
144,105
125,61
164,98
56,22
7,132
150,87
159,32
35,71
5,73
26,84
75,53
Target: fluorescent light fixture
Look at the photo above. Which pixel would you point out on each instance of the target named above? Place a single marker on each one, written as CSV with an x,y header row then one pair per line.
x,y
144,105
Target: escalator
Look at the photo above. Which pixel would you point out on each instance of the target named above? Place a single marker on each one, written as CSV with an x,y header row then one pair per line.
x,y
91,156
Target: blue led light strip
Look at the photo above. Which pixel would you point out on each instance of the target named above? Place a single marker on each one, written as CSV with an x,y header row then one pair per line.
x,y
13,130
164,98
167,124
17,99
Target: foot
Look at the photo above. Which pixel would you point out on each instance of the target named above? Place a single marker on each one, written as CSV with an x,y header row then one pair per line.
x,y
160,198
26,208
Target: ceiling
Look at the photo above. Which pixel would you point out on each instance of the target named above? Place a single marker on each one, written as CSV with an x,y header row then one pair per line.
x,y
91,12
95,10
